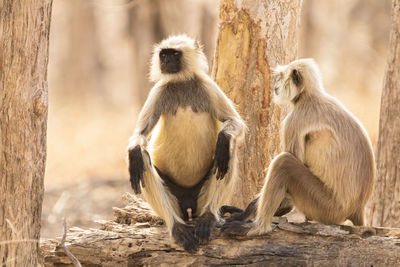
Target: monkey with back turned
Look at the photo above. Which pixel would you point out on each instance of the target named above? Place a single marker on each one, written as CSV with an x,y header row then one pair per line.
x,y
326,169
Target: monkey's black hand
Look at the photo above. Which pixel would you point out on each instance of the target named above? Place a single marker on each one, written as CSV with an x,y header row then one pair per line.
x,y
136,168
222,154
204,227
184,236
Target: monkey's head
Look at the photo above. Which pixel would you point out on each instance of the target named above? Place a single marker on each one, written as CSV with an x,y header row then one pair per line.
x,y
293,80
177,58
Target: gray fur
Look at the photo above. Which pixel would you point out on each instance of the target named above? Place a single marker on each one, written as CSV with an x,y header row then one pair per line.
x,y
190,93
180,94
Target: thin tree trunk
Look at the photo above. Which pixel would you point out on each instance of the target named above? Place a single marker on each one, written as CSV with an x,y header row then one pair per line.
x,y
385,205
254,36
23,116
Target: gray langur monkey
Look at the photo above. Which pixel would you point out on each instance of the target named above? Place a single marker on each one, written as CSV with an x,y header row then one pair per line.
x,y
182,154
326,169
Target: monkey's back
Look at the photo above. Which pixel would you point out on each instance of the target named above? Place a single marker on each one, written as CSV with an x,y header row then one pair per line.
x,y
338,151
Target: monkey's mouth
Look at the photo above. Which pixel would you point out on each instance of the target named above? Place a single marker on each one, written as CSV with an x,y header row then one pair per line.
x,y
171,69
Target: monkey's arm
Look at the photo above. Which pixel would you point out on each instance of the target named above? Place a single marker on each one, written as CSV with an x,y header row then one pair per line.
x,y
232,128
147,119
226,113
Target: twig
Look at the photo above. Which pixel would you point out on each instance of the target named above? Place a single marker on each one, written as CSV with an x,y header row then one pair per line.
x,y
74,260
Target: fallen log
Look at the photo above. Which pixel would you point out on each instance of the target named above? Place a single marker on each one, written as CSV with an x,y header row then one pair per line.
x,y
137,237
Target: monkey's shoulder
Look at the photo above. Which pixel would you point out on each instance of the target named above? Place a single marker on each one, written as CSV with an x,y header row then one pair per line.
x,y
181,94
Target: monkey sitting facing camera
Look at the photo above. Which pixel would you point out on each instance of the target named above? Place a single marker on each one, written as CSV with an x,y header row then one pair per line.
x,y
326,169
188,168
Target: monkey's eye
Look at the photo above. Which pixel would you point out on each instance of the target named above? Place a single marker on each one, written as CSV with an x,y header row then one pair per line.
x,y
176,53
162,55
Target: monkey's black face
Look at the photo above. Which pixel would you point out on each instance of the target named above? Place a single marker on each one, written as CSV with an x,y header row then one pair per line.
x,y
170,60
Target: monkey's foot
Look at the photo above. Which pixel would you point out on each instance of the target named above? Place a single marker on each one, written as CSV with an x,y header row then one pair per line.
x,y
204,227
229,209
238,216
236,213
236,228
283,211
184,236
285,207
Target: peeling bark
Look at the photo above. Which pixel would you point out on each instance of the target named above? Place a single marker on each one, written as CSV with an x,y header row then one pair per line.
x,y
254,36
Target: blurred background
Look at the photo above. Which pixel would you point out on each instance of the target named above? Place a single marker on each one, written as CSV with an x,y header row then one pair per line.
x,y
98,69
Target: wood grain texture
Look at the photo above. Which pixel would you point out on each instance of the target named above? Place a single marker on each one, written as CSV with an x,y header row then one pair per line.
x,y
254,36
138,238
384,207
23,116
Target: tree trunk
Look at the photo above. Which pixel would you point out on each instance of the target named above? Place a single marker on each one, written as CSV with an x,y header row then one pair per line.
x,y
255,36
23,116
74,67
385,205
136,238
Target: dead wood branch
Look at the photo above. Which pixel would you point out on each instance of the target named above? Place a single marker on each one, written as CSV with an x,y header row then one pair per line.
x,y
137,237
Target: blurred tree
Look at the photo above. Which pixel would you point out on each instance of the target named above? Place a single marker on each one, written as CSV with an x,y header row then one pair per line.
x,y
101,49
23,116
254,36
74,67
384,209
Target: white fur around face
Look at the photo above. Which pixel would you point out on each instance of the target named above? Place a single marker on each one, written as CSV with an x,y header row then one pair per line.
x,y
284,88
193,59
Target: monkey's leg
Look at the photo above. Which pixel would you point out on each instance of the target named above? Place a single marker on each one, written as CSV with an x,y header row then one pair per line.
x,y
207,213
217,189
287,175
213,193
165,204
308,193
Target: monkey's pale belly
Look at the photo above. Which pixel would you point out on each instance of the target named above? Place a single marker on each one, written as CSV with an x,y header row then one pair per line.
x,y
183,146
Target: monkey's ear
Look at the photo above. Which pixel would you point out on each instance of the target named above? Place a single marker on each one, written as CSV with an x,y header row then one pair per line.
x,y
297,78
